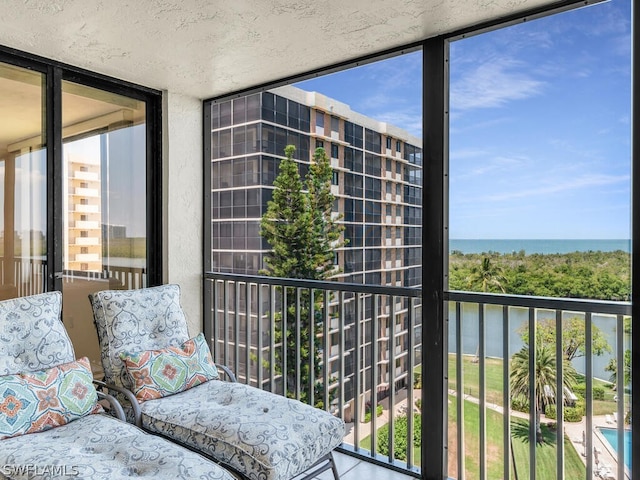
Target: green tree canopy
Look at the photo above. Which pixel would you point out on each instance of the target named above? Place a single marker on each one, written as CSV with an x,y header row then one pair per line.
x,y
487,276
573,337
613,368
303,234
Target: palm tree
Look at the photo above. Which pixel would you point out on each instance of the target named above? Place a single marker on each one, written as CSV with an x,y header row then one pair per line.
x,y
487,275
544,375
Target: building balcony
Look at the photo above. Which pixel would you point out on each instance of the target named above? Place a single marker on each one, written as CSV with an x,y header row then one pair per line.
x,y
88,176
85,225
86,241
86,208
88,257
484,329
84,192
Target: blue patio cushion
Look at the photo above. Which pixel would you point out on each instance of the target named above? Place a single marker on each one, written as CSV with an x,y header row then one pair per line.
x,y
100,447
132,321
260,434
32,337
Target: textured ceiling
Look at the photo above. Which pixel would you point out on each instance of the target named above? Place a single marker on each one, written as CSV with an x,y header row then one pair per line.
x,y
205,48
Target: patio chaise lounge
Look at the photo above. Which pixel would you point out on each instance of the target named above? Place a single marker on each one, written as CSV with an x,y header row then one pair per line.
x,y
49,421
146,349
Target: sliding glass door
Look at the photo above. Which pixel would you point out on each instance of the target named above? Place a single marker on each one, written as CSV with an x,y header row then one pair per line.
x,y
80,196
104,202
23,194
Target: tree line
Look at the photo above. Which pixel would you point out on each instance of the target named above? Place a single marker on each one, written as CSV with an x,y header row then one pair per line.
x,y
594,275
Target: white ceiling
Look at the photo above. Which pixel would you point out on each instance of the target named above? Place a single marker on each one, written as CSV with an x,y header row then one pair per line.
x,y
205,48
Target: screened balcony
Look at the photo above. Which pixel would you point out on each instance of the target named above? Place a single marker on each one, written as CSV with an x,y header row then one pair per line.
x,y
122,52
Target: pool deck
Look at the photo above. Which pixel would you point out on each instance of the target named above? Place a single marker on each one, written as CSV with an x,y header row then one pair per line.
x,y
606,456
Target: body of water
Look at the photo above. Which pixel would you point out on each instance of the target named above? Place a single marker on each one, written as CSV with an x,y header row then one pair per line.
x,y
538,245
518,321
611,434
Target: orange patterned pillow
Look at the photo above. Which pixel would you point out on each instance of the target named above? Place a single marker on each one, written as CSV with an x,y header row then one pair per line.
x,y
159,373
37,401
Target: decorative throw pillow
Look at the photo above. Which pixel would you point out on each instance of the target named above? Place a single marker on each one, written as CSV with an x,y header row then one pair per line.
x,y
159,373
37,401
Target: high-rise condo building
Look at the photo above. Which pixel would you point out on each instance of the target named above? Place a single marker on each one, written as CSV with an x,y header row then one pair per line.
x,y
377,182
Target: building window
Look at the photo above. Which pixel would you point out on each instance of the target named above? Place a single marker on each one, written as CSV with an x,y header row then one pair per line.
x,y
334,178
389,143
319,144
398,146
319,119
334,150
335,124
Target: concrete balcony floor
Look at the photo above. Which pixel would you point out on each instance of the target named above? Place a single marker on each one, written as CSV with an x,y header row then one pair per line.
x,y
351,468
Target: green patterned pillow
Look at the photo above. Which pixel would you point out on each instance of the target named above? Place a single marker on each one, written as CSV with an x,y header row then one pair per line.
x,y
37,401
159,373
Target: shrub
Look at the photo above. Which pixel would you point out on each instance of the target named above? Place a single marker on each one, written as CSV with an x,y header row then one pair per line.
x,y
581,390
417,380
571,414
550,412
400,436
367,414
520,405
598,393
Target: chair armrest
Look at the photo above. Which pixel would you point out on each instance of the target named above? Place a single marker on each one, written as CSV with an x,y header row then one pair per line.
x,y
227,371
137,414
115,406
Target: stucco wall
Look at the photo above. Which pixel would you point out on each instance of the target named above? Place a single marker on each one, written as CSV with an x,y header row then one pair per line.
x,y
182,197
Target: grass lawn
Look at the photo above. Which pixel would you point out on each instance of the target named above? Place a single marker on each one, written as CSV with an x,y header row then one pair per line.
x,y
545,452
493,375
366,444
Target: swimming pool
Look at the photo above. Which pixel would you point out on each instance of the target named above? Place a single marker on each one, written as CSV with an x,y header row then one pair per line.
x,y
611,435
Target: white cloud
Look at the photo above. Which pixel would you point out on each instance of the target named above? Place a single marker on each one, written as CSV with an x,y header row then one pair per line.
x,y
493,84
409,121
581,182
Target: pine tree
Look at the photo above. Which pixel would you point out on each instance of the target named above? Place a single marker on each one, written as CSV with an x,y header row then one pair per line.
x,y
303,235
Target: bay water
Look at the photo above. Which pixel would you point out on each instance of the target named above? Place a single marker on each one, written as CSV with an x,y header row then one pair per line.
x,y
518,317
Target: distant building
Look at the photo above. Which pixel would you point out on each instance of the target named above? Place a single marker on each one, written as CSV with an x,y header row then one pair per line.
x,y
82,226
377,182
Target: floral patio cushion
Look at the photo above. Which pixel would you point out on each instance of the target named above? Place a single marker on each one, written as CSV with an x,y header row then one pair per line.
x,y
99,447
163,372
37,401
260,434
32,337
132,321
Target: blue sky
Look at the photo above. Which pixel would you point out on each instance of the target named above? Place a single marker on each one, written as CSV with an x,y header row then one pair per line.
x,y
539,126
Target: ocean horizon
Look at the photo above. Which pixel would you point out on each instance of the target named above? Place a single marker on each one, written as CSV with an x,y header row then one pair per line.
x,y
543,246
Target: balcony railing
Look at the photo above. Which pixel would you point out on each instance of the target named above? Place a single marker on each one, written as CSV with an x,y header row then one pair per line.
x,y
486,329
245,317
355,356
22,276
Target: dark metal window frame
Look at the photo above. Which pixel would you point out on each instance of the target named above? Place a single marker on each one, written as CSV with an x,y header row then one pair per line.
x,y
435,211
54,73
